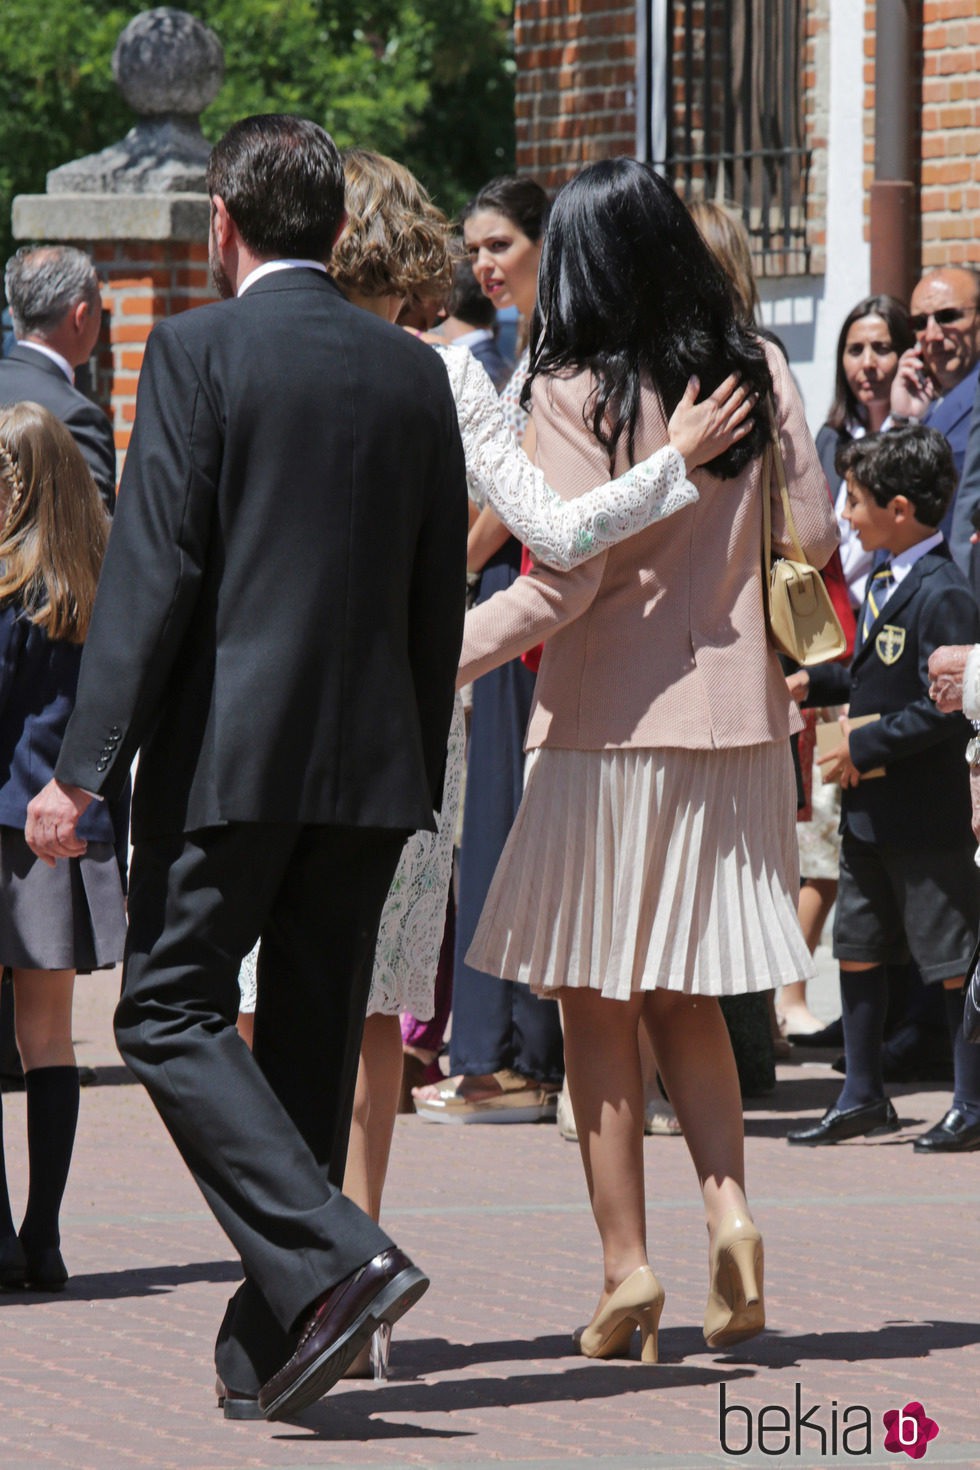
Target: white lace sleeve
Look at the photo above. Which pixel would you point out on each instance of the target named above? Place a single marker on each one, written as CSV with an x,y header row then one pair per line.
x,y
559,533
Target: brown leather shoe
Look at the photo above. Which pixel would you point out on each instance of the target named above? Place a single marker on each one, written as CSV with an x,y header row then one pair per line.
x,y
237,1405
340,1322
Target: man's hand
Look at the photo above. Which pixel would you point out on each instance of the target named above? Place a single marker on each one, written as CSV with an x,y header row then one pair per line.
x,y
946,668
798,684
912,389
838,766
52,822
975,799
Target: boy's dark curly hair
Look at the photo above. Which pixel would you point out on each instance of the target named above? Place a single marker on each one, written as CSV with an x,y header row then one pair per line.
x,y
912,461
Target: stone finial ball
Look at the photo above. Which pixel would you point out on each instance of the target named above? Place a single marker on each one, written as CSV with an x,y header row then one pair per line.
x,y
168,62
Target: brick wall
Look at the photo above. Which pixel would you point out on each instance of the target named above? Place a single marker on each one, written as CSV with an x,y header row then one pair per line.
x,y
816,112
142,283
946,138
577,93
576,84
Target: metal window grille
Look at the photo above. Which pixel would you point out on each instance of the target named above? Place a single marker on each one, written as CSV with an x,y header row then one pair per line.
x,y
723,114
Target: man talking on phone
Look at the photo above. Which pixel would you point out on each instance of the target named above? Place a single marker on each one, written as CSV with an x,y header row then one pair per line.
x,y
936,384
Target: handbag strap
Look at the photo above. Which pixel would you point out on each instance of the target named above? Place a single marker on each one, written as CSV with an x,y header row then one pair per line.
x,y
775,466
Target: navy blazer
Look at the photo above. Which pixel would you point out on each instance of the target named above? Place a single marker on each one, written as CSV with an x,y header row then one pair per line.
x,y
923,800
37,695
952,417
27,375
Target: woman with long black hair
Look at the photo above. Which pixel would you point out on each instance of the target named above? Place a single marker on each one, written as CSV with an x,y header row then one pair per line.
x,y
652,866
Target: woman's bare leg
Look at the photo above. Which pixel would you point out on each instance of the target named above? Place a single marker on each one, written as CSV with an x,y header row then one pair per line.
x,y
602,1063
698,1067
246,1027
379,1080
816,900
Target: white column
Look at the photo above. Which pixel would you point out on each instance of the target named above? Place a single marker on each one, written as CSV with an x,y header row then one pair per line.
x,y
807,311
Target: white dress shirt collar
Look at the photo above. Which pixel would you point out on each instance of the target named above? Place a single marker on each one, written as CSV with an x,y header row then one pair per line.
x,y
474,338
56,357
268,266
903,563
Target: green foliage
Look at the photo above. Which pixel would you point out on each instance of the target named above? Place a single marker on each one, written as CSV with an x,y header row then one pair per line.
x,y
428,81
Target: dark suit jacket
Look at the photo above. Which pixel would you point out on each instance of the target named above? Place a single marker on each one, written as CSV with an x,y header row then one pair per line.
x,y
924,798
280,613
498,367
29,375
37,692
952,417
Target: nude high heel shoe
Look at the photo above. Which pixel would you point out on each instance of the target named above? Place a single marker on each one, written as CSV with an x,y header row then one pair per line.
x,y
636,1302
735,1307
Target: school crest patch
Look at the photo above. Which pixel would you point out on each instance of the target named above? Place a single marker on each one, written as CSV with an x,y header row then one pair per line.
x,y
890,644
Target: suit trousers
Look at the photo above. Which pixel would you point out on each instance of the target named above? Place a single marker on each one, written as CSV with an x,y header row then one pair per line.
x,y
264,1133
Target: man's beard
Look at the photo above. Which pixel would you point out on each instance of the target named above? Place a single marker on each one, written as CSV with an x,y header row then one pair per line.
x,y
222,282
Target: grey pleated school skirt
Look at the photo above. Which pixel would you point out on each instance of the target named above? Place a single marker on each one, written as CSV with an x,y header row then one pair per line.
x,y
631,870
69,917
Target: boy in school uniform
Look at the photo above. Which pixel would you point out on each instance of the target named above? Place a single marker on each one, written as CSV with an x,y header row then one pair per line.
x,y
908,884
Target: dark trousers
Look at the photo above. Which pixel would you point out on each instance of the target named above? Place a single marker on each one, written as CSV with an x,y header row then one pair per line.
x,y
265,1133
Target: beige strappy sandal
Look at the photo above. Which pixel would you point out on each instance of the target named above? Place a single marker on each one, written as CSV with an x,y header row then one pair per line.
x,y
520,1100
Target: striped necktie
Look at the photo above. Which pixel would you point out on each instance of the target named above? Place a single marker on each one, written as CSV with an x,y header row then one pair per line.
x,y
879,586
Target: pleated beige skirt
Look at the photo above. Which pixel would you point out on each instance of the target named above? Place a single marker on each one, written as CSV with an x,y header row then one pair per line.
x,y
630,870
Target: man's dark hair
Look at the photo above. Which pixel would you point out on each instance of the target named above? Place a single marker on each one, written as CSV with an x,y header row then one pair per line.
x,y
282,181
913,461
466,301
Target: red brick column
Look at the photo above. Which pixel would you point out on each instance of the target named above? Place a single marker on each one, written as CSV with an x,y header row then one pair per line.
x,y
143,282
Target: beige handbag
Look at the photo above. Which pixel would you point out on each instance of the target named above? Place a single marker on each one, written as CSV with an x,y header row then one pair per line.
x,y
800,615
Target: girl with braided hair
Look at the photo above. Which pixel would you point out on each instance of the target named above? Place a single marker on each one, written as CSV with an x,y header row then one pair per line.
x,y
54,921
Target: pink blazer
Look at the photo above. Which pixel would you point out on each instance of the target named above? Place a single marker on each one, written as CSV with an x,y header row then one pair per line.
x,y
660,641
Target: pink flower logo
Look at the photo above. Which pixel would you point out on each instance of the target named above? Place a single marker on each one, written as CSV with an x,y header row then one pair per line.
x,y
909,1429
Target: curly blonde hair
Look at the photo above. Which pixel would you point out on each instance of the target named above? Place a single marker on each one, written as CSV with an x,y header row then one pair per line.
x,y
396,242
54,529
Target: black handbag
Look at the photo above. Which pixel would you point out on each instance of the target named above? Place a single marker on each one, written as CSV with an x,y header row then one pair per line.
x,y
971,1000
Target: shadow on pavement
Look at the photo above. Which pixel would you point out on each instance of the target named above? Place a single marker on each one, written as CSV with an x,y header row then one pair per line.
x,y
139,1281
343,1415
894,1340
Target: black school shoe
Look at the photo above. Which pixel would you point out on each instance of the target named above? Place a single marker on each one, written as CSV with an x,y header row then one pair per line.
x,y
955,1134
837,1124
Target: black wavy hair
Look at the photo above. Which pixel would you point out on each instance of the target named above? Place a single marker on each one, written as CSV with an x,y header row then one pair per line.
x,y
914,461
628,290
896,318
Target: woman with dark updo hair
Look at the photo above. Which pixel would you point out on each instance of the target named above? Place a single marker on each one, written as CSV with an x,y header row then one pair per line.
x,y
652,866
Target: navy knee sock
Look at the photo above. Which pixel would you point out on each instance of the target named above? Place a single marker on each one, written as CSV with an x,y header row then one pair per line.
x,y
6,1219
52,1113
864,1002
966,1059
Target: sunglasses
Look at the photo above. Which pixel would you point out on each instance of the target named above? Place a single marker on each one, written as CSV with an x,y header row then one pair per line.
x,y
945,317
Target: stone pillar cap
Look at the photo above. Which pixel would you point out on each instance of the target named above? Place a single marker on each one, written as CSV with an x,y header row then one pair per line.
x,y
169,66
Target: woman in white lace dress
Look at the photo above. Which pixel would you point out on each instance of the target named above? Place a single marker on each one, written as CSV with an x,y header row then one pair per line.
x,y
396,243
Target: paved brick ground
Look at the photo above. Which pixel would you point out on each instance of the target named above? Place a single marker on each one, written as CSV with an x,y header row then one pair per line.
x,y
872,1264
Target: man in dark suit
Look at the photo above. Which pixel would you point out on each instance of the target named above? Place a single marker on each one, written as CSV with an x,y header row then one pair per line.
x,y
937,379
56,306
277,630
